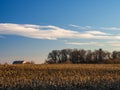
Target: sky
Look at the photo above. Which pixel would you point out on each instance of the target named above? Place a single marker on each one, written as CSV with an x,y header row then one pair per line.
x,y
30,29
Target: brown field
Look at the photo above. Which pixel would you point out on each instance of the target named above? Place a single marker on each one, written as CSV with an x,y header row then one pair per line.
x,y
60,77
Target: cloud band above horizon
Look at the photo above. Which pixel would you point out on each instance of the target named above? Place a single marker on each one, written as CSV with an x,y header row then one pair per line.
x,y
50,32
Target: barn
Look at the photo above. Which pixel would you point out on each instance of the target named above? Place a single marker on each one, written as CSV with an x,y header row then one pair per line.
x,y
19,62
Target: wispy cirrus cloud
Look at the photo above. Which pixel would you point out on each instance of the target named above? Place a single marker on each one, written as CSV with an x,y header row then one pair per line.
x,y
96,32
50,32
91,28
110,28
80,27
85,43
36,31
114,43
108,43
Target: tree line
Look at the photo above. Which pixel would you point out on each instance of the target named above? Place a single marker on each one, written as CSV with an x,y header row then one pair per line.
x,y
77,56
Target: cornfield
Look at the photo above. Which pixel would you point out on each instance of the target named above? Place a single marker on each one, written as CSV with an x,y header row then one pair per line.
x,y
60,77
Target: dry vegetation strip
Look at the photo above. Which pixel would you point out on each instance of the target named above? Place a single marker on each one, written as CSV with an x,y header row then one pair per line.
x,y
60,76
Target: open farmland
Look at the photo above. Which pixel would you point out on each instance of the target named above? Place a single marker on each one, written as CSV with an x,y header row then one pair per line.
x,y
60,77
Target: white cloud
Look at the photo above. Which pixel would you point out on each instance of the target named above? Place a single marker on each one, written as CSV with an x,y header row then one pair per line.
x,y
35,31
91,28
96,32
49,32
80,27
110,28
85,43
114,43
108,43
118,37
79,43
76,26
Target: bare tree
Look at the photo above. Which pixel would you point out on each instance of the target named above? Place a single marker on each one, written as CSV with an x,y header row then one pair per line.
x,y
81,56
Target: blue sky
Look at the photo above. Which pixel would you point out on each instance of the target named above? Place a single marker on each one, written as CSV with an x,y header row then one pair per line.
x,y
30,29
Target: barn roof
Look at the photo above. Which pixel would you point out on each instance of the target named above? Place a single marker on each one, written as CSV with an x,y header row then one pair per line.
x,y
19,62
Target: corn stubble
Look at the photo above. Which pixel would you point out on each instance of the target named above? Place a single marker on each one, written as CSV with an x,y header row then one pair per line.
x,y
60,77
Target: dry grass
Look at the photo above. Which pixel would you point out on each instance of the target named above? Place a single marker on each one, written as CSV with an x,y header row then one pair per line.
x,y
60,77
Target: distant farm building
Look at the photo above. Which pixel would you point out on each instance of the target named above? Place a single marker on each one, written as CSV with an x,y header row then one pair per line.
x,y
19,62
